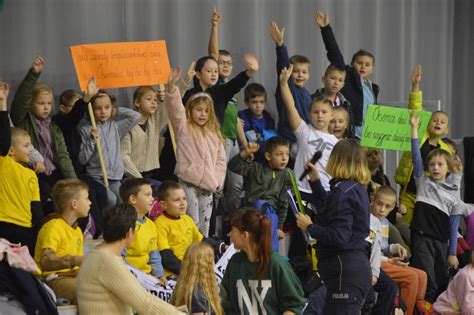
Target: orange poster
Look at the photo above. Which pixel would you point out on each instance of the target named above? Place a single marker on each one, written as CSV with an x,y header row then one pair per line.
x,y
117,65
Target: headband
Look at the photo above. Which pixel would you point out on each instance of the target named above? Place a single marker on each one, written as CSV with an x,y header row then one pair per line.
x,y
200,94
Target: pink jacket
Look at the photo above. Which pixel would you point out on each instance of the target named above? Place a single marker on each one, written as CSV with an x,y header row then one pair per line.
x,y
459,297
200,156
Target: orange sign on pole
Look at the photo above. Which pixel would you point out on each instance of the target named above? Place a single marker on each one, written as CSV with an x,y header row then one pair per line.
x,y
125,64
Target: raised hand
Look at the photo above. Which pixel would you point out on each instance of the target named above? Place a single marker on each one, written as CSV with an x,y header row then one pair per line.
x,y
216,17
416,78
252,64
190,73
457,164
277,34
174,77
285,74
91,90
414,119
38,64
321,19
252,147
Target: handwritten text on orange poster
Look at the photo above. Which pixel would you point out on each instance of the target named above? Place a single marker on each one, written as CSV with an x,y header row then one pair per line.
x,y
118,65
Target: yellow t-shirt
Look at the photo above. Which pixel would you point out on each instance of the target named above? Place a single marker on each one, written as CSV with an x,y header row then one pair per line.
x,y
59,236
18,188
176,234
138,254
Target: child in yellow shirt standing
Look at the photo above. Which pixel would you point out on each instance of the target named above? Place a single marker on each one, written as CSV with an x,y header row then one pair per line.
x,y
143,252
20,207
59,250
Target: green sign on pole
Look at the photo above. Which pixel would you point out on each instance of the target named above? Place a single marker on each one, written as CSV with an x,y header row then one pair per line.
x,y
388,128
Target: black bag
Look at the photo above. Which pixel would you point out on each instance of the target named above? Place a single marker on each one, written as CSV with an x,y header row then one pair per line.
x,y
310,279
27,289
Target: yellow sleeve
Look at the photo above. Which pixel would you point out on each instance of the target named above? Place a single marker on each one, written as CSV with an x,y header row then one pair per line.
x,y
50,236
415,101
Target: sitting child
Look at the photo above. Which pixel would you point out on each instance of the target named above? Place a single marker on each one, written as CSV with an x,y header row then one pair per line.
x,y
20,207
59,250
196,286
412,281
458,298
257,124
143,252
176,230
268,182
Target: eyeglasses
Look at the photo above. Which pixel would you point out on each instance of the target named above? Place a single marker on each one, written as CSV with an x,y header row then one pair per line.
x,y
225,63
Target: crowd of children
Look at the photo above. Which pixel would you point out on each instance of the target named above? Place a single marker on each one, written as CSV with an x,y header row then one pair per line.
x,y
62,174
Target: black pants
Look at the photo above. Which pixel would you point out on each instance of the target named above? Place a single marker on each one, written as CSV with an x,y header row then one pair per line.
x,y
430,255
348,279
19,234
46,183
386,290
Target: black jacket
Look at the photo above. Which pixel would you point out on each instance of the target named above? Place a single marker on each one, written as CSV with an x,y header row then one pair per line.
x,y
352,89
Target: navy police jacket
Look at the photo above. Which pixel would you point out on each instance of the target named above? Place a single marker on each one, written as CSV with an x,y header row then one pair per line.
x,y
342,222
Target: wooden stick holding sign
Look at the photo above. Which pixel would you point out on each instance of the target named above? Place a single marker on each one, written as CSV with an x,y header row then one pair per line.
x,y
99,146
170,127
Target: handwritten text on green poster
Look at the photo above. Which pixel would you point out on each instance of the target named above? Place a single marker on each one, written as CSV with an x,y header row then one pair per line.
x,y
388,128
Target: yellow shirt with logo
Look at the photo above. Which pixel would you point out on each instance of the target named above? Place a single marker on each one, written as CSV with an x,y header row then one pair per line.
x,y
145,240
176,234
59,236
18,188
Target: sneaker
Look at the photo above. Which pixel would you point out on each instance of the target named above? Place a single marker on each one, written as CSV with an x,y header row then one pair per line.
x,y
424,307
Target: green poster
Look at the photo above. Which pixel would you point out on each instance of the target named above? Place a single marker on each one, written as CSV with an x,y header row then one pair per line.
x,y
388,128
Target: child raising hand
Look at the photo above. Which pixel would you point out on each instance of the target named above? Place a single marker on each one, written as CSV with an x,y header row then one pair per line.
x,y
200,153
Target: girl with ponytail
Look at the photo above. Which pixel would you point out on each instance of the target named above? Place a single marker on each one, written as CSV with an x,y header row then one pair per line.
x,y
257,280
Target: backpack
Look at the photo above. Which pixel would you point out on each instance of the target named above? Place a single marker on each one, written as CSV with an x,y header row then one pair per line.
x,y
267,210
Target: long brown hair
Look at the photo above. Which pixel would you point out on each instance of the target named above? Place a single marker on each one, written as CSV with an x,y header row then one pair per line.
x,y
197,270
259,228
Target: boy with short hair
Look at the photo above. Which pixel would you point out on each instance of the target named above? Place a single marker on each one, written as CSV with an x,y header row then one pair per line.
x,y
412,281
432,139
20,206
333,81
59,250
299,78
143,252
267,182
256,122
175,229
358,88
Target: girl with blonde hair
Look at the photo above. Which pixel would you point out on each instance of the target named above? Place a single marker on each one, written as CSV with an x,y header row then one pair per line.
x,y
196,287
200,154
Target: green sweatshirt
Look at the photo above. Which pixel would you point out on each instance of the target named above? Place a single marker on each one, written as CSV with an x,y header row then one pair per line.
x,y
278,290
263,183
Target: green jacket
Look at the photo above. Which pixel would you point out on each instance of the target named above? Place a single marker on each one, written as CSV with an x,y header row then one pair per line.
x,y
405,166
278,290
263,183
23,118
